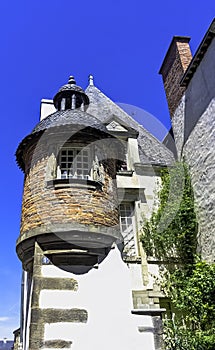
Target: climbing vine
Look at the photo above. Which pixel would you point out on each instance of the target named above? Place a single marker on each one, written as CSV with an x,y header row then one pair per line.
x,y
170,235
171,231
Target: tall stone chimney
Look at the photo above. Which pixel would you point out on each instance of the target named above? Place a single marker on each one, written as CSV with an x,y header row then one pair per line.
x,y
174,65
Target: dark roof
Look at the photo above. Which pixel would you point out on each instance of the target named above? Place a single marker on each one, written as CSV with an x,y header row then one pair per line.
x,y
77,118
69,117
101,111
169,142
153,151
197,58
70,89
6,345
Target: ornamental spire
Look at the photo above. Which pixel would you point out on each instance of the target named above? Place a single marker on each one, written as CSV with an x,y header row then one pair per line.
x,y
71,80
91,82
71,96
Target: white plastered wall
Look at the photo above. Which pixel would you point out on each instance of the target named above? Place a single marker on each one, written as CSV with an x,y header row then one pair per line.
x,y
106,295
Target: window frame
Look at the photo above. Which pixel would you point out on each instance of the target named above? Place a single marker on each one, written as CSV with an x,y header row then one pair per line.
x,y
75,167
129,233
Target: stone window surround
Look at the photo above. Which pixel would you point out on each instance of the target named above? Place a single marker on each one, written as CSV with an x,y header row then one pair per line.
x,y
77,153
94,181
133,223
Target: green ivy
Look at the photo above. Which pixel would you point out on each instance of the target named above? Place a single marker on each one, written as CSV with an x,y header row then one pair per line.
x,y
193,296
171,231
171,236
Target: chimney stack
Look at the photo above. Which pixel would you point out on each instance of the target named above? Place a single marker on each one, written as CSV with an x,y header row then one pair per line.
x,y
175,63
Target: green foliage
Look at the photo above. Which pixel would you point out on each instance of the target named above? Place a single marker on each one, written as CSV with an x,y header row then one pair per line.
x,y
171,231
170,236
178,336
193,296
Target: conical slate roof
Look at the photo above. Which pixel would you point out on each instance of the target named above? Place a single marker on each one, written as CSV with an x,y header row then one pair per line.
x,y
69,117
99,111
75,118
68,90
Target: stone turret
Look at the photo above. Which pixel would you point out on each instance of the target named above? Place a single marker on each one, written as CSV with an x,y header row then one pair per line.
x,y
70,213
69,199
82,272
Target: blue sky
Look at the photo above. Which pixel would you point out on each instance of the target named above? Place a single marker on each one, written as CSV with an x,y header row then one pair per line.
x,y
122,43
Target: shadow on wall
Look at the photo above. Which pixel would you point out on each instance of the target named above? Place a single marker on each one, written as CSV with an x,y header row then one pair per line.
x,y
199,80
78,260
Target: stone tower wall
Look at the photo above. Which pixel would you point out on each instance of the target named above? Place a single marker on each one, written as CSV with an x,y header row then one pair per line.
x,y
44,205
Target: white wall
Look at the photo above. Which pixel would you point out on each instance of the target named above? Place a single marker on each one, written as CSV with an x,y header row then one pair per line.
x,y
106,295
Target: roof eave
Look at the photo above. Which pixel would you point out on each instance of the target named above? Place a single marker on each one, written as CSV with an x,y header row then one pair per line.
x,y
200,52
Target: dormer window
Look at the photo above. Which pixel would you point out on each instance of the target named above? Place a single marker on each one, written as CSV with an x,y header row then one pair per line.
x,y
74,163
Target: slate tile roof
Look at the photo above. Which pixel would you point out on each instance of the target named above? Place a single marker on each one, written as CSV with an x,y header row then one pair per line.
x,y
99,112
152,151
69,117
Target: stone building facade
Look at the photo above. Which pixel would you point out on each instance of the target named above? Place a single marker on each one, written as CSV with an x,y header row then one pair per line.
x,y
91,177
192,113
91,174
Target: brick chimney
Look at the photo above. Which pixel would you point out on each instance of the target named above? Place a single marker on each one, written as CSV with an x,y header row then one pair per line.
x,y
174,65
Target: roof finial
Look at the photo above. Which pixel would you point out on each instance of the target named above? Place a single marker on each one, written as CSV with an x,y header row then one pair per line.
x,y
71,80
91,83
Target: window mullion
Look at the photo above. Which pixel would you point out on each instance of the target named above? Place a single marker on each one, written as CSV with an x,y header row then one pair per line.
x,y
74,162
